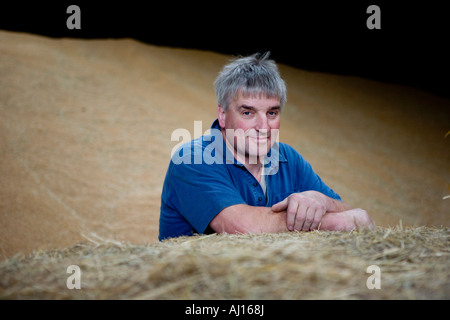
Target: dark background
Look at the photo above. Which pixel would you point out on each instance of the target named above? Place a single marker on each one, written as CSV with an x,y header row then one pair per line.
x,y
411,48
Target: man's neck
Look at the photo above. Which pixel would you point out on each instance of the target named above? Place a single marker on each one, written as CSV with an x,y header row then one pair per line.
x,y
255,170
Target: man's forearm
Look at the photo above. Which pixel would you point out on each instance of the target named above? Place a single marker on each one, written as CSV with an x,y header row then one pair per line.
x,y
336,205
242,218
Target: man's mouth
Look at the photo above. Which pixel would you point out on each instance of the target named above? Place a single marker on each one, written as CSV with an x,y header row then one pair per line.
x,y
260,138
258,135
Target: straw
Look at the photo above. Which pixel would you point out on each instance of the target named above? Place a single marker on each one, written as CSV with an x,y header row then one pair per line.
x,y
413,264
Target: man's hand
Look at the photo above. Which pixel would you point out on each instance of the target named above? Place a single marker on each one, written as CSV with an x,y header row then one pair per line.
x,y
304,210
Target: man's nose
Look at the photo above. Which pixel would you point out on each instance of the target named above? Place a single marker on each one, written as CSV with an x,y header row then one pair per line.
x,y
262,123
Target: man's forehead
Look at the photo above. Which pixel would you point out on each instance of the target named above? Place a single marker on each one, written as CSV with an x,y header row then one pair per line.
x,y
256,100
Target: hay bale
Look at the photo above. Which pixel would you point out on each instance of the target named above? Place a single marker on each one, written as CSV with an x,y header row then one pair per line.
x,y
297,265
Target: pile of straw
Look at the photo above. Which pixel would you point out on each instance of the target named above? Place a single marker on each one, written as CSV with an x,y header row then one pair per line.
x,y
413,264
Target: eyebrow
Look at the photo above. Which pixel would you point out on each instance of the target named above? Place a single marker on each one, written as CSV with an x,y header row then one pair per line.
x,y
253,108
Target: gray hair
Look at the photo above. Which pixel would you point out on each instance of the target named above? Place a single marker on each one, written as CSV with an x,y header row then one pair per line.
x,y
254,75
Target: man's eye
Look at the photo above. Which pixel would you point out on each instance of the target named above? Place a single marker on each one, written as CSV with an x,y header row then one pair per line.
x,y
246,113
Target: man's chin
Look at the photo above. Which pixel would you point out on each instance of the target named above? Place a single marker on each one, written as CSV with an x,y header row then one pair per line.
x,y
256,157
261,149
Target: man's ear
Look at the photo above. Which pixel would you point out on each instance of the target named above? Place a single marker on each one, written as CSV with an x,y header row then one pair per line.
x,y
221,115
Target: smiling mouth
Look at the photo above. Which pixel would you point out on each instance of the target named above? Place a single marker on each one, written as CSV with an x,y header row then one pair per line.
x,y
259,138
258,135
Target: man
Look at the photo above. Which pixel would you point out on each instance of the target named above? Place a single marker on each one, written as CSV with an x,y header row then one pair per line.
x,y
240,179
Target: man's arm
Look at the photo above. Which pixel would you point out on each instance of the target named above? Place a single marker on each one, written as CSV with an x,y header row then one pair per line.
x,y
300,211
242,218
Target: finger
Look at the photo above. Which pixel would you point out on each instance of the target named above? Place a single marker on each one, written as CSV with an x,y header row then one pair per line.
x,y
300,217
317,219
280,206
309,218
291,214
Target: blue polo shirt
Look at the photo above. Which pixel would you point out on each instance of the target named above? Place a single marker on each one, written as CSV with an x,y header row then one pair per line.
x,y
203,178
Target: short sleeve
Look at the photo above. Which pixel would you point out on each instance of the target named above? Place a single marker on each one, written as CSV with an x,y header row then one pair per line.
x,y
199,192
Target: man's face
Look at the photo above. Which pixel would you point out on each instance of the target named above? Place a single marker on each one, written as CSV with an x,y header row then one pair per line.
x,y
251,126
